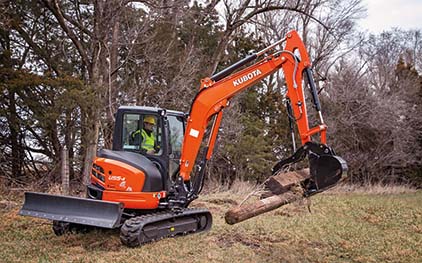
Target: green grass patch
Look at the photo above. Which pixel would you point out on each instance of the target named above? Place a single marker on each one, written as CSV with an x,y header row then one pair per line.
x,y
352,227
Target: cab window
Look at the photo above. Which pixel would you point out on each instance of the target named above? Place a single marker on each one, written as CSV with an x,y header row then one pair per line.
x,y
142,132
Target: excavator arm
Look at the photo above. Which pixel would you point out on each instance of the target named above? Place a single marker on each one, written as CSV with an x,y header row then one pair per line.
x,y
217,91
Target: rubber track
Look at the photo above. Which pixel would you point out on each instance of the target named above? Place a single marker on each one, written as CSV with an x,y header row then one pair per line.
x,y
131,233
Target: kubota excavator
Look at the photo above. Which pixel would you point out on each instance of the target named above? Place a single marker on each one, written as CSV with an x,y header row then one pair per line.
x,y
147,193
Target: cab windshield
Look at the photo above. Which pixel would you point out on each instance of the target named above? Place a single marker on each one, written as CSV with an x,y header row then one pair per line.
x,y
142,133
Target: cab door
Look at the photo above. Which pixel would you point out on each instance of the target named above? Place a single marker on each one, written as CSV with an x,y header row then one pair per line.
x,y
176,133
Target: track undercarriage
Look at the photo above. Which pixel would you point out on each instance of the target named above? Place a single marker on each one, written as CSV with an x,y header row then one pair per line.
x,y
138,230
151,227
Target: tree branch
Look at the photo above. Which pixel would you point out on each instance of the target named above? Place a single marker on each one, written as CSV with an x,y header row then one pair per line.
x,y
39,51
78,25
274,8
55,9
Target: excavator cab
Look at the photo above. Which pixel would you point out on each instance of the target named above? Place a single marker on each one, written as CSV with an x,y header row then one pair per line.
x,y
167,133
150,164
134,125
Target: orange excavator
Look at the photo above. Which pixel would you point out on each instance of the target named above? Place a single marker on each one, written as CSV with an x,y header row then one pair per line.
x,y
145,188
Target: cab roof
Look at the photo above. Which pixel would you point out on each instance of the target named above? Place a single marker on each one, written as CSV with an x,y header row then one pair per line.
x,y
150,109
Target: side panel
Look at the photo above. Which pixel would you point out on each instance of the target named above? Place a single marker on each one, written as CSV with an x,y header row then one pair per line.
x,y
134,200
119,176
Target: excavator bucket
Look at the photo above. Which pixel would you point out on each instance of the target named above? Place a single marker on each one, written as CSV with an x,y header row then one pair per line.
x,y
326,171
326,168
75,210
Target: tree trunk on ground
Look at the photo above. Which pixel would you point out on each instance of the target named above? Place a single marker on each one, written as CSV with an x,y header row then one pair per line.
x,y
284,188
241,213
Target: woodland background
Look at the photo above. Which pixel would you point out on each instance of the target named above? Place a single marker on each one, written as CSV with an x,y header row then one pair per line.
x,y
66,66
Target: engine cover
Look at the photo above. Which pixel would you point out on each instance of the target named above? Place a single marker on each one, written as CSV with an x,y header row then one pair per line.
x,y
126,171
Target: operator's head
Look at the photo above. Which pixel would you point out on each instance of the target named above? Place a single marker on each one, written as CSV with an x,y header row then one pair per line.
x,y
149,122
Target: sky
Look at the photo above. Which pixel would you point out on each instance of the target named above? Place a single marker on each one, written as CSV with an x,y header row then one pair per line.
x,y
385,14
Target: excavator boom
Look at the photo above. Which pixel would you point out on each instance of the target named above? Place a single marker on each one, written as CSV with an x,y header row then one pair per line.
x,y
215,94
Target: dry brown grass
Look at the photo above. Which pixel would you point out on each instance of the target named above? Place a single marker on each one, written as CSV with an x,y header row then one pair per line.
x,y
372,189
237,187
353,227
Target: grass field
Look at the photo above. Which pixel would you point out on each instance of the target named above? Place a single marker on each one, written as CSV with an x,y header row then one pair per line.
x,y
342,227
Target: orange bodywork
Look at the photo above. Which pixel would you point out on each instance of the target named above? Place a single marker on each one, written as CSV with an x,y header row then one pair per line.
x,y
123,183
135,200
120,176
215,96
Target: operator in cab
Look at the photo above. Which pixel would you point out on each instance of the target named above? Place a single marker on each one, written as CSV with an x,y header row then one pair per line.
x,y
146,136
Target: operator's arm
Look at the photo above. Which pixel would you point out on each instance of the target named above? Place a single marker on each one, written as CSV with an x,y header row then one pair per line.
x,y
135,138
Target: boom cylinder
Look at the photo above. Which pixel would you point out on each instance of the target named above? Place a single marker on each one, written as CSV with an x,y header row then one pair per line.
x,y
291,120
227,71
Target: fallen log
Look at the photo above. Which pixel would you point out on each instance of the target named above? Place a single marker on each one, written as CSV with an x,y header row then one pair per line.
x,y
285,188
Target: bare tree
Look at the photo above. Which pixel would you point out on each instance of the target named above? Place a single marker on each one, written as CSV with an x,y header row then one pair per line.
x,y
375,105
93,29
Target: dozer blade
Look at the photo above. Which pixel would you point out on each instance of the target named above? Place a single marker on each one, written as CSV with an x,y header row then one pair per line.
x,y
73,210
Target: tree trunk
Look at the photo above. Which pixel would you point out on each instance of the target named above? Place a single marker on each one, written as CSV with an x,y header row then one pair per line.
x,y
69,140
17,157
284,188
93,120
241,213
65,171
91,148
112,84
13,121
